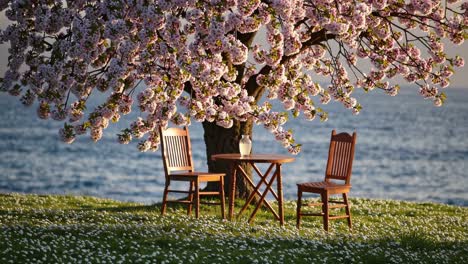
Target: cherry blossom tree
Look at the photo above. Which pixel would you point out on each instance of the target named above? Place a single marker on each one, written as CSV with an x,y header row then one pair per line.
x,y
221,62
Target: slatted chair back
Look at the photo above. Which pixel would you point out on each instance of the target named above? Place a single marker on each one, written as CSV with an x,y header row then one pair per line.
x,y
340,157
176,150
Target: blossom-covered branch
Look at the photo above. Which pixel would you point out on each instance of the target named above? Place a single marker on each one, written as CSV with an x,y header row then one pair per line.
x,y
214,60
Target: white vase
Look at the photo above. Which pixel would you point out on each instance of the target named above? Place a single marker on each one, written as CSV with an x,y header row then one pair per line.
x,y
245,145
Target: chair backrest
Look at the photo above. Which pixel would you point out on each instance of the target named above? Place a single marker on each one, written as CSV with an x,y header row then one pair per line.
x,y
340,157
176,149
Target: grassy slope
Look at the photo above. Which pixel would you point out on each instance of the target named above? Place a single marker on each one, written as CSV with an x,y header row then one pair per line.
x,y
50,229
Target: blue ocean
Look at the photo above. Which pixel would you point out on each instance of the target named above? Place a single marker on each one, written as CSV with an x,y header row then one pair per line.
x,y
407,149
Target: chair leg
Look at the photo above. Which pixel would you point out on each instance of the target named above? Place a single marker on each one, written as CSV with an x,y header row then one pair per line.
x,y
197,198
222,197
164,202
325,210
190,198
298,208
347,208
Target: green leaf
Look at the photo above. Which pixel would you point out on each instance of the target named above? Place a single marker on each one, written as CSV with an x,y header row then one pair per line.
x,y
443,96
295,113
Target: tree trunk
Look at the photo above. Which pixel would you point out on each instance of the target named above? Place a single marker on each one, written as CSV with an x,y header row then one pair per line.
x,y
220,140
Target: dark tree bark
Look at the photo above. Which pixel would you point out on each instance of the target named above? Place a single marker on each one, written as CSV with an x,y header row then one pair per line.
x,y
226,140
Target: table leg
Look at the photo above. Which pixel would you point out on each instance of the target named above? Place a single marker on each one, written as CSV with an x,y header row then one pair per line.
x,y
263,179
232,193
262,198
279,184
257,188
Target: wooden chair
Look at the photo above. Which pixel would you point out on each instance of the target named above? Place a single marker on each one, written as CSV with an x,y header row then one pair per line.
x,y
339,166
178,166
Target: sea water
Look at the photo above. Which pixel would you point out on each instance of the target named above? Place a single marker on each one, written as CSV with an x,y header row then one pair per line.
x,y
406,149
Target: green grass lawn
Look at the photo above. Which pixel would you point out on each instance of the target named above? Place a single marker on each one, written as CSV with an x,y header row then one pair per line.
x,y
76,229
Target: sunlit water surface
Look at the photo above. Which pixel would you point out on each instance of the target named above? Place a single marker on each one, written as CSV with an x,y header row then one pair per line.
x,y
406,149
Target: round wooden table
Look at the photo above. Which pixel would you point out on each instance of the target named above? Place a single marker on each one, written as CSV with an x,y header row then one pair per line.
x,y
265,179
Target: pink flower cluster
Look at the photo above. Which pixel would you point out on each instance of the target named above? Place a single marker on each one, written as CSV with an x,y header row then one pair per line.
x,y
225,55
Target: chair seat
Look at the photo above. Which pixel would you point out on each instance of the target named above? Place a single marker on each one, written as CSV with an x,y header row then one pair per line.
x,y
319,187
202,176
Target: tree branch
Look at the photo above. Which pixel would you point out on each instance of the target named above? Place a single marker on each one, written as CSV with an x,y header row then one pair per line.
x,y
247,40
316,38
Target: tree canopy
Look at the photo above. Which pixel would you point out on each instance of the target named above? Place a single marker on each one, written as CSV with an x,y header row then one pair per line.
x,y
214,60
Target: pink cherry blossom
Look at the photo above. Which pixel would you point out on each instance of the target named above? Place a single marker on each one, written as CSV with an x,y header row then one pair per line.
x,y
67,134
179,61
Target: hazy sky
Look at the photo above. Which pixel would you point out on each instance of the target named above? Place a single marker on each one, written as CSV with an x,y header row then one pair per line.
x,y
459,79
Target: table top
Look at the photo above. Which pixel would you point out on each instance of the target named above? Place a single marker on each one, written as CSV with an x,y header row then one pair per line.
x,y
259,158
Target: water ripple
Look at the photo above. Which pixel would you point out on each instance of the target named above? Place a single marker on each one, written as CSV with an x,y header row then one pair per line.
x,y
407,149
